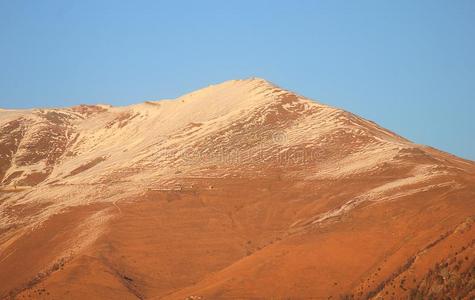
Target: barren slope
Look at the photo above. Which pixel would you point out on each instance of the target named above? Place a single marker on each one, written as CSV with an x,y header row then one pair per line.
x,y
238,190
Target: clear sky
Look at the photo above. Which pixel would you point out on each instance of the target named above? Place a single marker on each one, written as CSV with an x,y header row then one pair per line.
x,y
408,65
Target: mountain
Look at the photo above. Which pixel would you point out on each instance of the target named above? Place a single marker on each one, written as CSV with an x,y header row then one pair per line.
x,y
241,190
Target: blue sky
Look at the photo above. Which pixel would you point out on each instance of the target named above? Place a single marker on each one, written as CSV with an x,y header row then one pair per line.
x,y
408,65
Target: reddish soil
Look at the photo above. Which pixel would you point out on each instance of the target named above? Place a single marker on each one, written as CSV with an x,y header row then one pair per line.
x,y
237,240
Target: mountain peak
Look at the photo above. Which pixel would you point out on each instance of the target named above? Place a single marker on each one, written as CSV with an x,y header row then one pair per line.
x,y
258,80
244,86
231,95
252,79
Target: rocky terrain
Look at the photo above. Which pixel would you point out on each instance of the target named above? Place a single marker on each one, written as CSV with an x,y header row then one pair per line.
x,y
241,190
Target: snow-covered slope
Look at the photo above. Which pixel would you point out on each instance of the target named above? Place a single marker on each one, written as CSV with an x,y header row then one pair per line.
x,y
237,128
